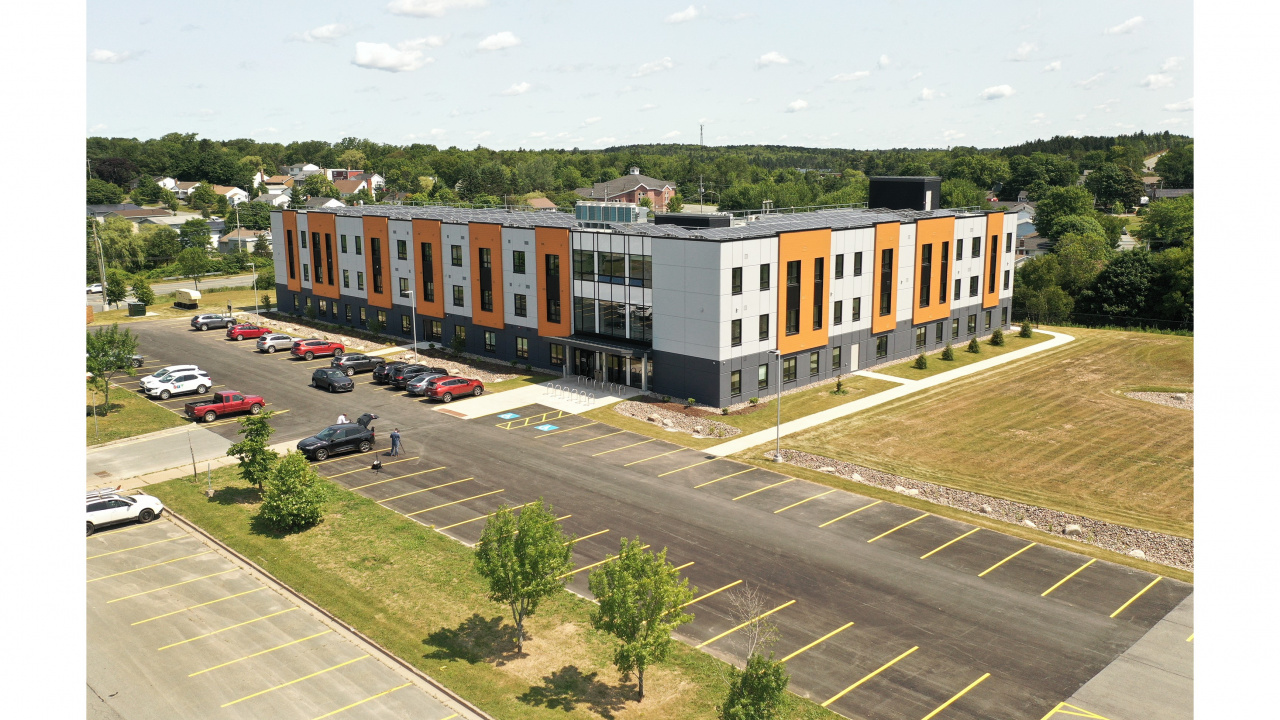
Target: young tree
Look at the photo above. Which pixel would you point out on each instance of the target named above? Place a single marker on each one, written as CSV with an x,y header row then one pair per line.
x,y
675,204
109,351
757,691
194,233
117,288
645,202
192,263
222,207
293,496
997,337
297,198
974,347
524,558
458,344
168,199
142,291
641,598
948,353
256,459
1025,332
921,363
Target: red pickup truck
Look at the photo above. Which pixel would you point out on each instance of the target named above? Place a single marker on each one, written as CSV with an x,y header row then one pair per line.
x,y
246,330
223,403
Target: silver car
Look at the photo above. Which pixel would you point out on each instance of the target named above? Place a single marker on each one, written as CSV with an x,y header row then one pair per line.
x,y
418,385
274,341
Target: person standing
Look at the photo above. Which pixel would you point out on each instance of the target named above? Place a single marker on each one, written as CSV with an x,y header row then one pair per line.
x,y
342,419
396,448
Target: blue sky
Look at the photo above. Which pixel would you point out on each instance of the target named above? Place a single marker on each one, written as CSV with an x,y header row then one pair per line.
x,y
567,73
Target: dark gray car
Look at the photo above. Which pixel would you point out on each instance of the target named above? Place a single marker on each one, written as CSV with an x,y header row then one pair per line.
x,y
357,436
356,363
332,380
204,322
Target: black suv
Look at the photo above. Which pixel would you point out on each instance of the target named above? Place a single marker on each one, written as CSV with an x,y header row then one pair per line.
x,y
356,363
402,377
347,437
332,380
382,373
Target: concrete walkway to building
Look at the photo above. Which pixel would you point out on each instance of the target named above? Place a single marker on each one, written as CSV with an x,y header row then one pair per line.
x,y
890,378
567,396
794,426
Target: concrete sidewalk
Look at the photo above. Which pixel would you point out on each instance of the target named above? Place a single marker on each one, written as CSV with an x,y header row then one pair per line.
x,y
554,394
203,465
794,426
108,464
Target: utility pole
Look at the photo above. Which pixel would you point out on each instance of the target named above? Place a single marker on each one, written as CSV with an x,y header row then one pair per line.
x,y
700,126
102,268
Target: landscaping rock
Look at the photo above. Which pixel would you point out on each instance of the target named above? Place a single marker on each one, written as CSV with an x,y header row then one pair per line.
x,y
1028,523
912,492
667,423
1138,554
654,418
1073,530
697,429
827,469
673,421
899,489
986,510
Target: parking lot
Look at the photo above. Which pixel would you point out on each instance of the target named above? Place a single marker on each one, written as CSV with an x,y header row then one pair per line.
x,y
883,611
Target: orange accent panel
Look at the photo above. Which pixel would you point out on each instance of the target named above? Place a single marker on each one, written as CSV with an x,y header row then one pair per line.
x,y
376,227
554,241
934,232
886,239
428,231
995,226
487,235
803,246
289,218
323,223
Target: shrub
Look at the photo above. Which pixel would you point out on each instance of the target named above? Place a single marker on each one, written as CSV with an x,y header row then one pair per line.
x,y
311,313
948,353
973,346
142,291
997,337
754,400
266,302
690,402
264,282
839,386
921,363
376,326
724,411
758,691
293,496
666,398
458,345
1025,332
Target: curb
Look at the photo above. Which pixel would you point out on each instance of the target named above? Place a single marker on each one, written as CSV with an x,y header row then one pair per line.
x,y
140,438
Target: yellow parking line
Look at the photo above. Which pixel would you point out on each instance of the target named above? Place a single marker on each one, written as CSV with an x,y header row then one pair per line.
x,y
600,437
166,587
1073,574
1067,708
949,542
291,682
433,487
873,673
993,567
956,697
393,462
637,462
853,512
840,629
166,562
1189,637
686,467
260,652
704,596
815,497
1135,597
193,607
726,477
681,567
898,528
766,487
739,627
232,627
135,547
557,432
371,697
624,447
482,517
584,537
398,477
588,567
517,532
455,502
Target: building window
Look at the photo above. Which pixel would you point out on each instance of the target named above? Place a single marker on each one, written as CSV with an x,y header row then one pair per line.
x,y
486,300
922,336
584,314
553,311
956,295
641,323
819,297
944,273
613,318
959,248
762,379
613,268
306,272
522,306
937,333
404,287
972,324
973,286
359,280
296,307
455,255
793,321
1004,316
1006,279
359,246
815,360
437,329
346,279
346,311
402,250
460,331
992,258
1008,242
735,383
640,271
517,262
375,256
584,265
835,357
855,313
406,325
486,258
857,264
364,317
976,249
735,332
737,281
793,272
490,341
764,327
839,266
955,328
789,370
557,354
926,275
886,281
764,276
457,296
324,308
342,243
837,312
382,318
986,320
302,236
522,347
882,346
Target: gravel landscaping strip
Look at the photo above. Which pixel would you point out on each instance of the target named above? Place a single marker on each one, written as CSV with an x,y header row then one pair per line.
x,y
679,422
1178,400
1171,550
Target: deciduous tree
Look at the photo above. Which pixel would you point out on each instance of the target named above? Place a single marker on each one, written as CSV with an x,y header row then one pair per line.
x,y
1113,183
293,495
194,233
1176,167
109,351
142,291
757,691
257,459
161,244
1168,223
117,288
101,192
192,263
1059,202
959,192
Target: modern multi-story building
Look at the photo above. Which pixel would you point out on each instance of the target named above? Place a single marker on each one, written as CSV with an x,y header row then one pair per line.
x,y
677,311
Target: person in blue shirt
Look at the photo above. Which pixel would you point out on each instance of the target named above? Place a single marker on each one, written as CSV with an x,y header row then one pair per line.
x,y
396,447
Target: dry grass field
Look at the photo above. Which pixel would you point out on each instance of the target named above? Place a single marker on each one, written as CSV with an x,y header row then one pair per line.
x,y
1053,430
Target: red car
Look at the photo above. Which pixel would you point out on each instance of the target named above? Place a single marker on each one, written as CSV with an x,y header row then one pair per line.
x,y
246,330
308,349
446,388
224,403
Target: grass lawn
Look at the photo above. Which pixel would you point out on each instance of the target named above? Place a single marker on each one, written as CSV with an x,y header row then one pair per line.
x,y
1053,429
241,299
962,356
131,414
415,592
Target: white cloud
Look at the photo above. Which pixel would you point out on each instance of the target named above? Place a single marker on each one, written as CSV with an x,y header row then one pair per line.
x,y
1173,63
995,92
604,141
517,89
1106,106
403,57
97,128
917,76
431,8
1183,106
1173,121
1054,66
1023,52
325,33
538,133
1155,82
499,41
647,107
109,57
590,121
672,134
1039,119
1089,82
481,135
797,106
652,67
773,57
930,94
846,77
952,134
689,13
1125,27
263,131
883,61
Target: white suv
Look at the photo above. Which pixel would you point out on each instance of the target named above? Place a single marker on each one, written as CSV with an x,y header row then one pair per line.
x,y
163,373
109,508
180,383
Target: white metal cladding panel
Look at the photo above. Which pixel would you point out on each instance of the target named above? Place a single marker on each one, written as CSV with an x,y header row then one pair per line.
x,y
668,295
684,321
520,240
451,235
304,253
280,248
753,302
349,261
401,231
966,230
906,270
1007,258
852,242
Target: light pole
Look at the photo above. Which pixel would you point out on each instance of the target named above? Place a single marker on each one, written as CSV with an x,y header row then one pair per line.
x,y
777,452
413,309
252,267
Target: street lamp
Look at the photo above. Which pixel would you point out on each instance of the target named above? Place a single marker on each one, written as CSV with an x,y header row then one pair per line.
x,y
777,452
256,311
413,309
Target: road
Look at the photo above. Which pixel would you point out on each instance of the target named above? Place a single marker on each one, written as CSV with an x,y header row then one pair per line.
x,y
96,299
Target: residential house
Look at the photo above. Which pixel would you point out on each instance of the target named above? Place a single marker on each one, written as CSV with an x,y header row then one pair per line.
x,y
374,181
394,196
346,188
630,188
259,178
167,183
300,170
1170,193
243,239
278,185
541,203
216,225
274,199
324,202
100,211
183,189
140,214
234,195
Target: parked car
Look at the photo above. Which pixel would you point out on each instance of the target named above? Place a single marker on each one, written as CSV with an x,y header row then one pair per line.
x,y
137,361
246,330
308,349
332,380
382,373
446,388
111,508
94,288
192,381
356,363
224,403
204,322
163,373
418,385
347,437
400,378
275,341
